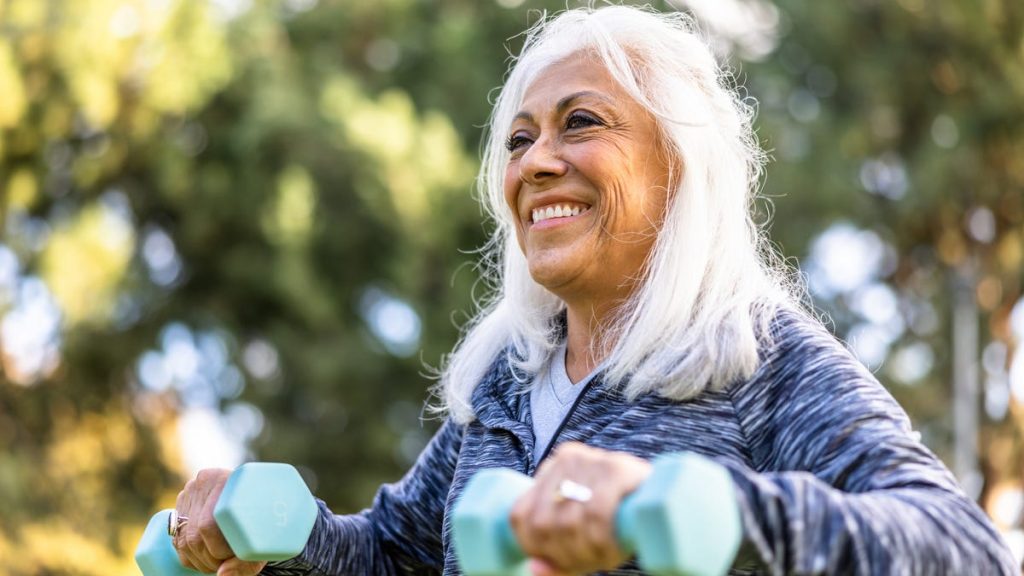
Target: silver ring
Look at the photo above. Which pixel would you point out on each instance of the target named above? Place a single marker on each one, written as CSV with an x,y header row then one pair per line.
x,y
174,523
569,490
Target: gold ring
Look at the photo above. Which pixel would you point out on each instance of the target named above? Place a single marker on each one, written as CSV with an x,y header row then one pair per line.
x,y
174,523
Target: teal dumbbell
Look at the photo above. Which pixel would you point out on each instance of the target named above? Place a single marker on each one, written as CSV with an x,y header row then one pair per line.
x,y
266,512
682,521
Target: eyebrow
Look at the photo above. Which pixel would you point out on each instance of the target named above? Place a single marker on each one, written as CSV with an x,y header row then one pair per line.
x,y
565,103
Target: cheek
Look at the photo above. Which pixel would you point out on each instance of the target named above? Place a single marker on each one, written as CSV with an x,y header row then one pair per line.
x,y
511,187
511,190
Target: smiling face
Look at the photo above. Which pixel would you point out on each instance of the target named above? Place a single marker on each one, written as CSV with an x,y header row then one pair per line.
x,y
586,182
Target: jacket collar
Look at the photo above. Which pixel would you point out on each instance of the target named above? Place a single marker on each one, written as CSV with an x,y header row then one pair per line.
x,y
501,400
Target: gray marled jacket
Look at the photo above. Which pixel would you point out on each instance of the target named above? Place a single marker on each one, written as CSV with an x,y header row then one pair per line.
x,y
830,477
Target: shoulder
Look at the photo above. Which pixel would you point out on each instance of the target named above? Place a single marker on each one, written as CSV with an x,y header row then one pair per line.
x,y
794,335
810,389
801,355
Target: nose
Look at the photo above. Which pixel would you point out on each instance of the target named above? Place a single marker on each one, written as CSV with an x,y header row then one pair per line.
x,y
541,162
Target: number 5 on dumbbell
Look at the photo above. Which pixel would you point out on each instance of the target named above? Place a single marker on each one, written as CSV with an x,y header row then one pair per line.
x,y
265,512
682,521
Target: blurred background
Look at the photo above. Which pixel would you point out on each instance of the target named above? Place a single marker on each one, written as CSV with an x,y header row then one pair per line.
x,y
245,229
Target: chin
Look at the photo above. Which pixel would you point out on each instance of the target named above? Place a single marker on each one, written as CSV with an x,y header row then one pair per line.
x,y
552,275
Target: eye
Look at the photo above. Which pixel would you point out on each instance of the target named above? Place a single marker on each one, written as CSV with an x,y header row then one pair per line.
x,y
516,141
581,120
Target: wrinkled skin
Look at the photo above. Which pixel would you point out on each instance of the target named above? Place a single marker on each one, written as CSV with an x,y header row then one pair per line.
x,y
580,139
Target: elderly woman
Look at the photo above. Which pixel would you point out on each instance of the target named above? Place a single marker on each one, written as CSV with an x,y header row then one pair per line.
x,y
640,311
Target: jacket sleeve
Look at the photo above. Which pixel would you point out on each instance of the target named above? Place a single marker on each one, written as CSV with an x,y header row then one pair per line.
x,y
843,486
399,534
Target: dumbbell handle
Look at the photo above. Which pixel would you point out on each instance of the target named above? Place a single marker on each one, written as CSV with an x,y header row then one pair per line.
x,y
645,522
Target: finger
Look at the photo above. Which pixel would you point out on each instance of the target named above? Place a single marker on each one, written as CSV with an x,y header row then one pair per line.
x,y
568,547
621,473
197,552
533,518
574,547
588,528
213,538
554,526
239,567
598,542
197,493
523,514
612,476
187,556
184,559
176,541
192,540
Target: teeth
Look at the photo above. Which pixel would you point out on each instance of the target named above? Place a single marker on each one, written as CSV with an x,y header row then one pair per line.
x,y
557,211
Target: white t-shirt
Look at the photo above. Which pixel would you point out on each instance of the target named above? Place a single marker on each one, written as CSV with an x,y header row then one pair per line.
x,y
552,396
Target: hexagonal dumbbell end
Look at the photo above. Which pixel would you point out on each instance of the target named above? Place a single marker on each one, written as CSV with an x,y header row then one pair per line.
x,y
484,542
155,554
266,512
684,519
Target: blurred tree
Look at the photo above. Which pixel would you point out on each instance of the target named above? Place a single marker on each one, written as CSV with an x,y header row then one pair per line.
x,y
210,209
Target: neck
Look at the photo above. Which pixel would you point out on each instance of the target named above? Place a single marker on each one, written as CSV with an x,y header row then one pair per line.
x,y
584,350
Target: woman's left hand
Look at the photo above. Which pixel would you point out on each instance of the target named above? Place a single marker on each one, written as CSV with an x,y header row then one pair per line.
x,y
572,533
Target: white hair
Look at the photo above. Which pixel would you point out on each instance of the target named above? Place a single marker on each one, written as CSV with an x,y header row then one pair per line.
x,y
711,283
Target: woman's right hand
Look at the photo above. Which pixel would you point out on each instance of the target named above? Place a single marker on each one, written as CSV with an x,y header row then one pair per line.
x,y
200,544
